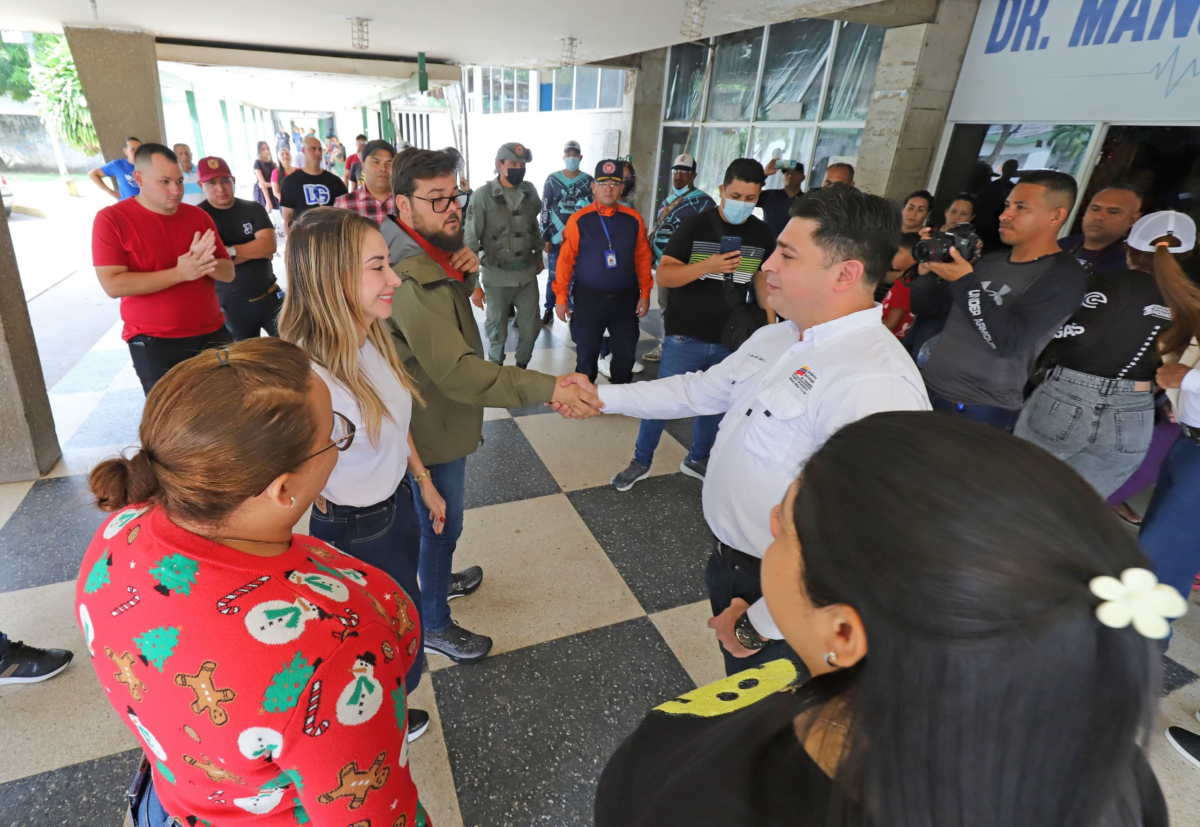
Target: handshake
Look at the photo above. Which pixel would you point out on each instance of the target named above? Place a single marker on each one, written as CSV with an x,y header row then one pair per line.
x,y
575,397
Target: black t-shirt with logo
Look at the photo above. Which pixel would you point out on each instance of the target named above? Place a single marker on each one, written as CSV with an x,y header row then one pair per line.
x,y
1114,333
701,309
301,191
238,225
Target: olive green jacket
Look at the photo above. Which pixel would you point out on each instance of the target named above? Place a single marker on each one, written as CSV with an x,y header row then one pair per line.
x,y
434,332
509,243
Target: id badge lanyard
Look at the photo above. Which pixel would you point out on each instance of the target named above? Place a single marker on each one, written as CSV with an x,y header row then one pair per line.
x,y
610,255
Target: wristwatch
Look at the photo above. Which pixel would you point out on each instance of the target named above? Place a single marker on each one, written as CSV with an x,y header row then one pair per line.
x,y
743,629
232,253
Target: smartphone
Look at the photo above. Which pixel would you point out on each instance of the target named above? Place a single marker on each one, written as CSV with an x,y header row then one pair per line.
x,y
730,244
784,166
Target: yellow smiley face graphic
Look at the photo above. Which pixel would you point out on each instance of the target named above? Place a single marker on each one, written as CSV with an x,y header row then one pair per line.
x,y
733,693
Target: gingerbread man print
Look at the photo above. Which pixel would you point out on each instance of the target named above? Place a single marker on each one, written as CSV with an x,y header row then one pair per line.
x,y
356,784
208,697
125,673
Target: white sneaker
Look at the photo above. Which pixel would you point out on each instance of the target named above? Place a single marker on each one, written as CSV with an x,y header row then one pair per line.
x,y
603,365
638,367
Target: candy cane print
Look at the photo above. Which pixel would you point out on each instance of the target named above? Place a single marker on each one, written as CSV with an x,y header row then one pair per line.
x,y
223,604
128,604
311,727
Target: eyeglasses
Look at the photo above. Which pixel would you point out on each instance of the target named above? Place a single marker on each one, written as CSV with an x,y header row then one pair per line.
x,y
341,438
441,205
610,184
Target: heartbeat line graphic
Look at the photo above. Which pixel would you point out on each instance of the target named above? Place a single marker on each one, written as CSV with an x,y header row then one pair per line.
x,y
1169,68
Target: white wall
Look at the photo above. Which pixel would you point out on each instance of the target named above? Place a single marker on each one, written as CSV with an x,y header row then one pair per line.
x,y
545,133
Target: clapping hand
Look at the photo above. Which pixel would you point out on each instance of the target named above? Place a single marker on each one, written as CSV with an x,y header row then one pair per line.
x,y
200,259
575,397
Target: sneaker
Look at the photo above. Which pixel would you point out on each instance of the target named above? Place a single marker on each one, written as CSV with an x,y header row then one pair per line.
x,y
548,318
695,470
604,365
638,367
28,664
1186,743
458,644
465,582
418,722
654,355
625,480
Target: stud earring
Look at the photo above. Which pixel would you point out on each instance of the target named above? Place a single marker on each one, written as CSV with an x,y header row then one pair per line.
x,y
831,659
293,505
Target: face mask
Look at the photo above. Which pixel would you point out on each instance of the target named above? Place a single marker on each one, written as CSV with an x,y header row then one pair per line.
x,y
630,182
515,175
676,192
736,212
572,163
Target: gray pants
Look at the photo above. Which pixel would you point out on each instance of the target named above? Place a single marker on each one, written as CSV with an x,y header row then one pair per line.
x,y
1100,427
529,324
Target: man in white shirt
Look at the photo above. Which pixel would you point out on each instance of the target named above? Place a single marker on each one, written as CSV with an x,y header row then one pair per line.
x,y
785,391
193,193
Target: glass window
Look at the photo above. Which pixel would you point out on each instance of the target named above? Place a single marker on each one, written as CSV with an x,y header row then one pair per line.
x,y
510,78
720,145
612,88
675,142
587,86
685,80
794,70
522,90
833,146
471,81
734,72
485,89
852,77
1035,146
564,82
781,143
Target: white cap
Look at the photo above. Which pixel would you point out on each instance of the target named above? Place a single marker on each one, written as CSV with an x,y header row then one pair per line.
x,y
1158,225
573,145
684,161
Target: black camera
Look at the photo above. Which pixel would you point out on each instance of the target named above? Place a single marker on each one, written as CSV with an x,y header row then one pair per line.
x,y
937,247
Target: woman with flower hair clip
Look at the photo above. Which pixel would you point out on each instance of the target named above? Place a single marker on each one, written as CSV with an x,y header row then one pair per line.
x,y
984,652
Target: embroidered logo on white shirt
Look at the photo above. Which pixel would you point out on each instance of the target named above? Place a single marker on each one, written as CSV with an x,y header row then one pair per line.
x,y
804,379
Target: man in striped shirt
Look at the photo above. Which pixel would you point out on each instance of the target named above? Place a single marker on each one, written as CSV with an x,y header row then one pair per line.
x,y
705,289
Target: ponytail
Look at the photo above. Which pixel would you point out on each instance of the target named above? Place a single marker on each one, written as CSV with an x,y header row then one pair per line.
x,y
1183,299
124,481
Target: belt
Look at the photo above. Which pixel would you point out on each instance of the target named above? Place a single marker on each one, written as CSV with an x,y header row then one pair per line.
x,y
1100,383
274,289
1191,433
739,559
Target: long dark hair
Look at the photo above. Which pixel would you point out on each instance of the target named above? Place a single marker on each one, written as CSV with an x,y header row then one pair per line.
x,y
1178,291
991,695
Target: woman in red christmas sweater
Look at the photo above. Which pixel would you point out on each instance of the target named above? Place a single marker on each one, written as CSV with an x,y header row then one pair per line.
x,y
261,671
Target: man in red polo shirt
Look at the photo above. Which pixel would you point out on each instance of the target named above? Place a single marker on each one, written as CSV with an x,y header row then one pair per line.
x,y
160,257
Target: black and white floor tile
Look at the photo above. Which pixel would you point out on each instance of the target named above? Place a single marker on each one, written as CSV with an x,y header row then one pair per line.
x,y
595,600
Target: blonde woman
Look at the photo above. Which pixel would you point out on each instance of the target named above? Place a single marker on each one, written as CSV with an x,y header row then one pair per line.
x,y
340,291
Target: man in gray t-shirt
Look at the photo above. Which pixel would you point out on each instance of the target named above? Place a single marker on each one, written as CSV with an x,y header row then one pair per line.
x,y
1003,310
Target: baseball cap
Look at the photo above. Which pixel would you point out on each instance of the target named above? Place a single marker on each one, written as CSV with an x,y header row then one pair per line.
x,y
685,162
573,145
1176,226
514,152
212,167
610,170
374,146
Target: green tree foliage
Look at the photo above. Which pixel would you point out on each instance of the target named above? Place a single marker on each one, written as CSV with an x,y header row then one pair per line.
x,y
59,98
14,71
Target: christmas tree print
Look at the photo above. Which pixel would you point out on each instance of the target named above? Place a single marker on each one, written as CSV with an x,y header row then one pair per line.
x,y
299,813
288,684
401,706
174,573
98,577
157,645
422,819
285,779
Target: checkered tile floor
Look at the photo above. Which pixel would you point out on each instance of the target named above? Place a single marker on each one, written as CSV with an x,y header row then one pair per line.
x,y
594,598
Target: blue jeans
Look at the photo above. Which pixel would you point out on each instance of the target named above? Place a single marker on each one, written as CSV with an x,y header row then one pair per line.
x,y
683,354
437,550
384,535
1172,522
551,265
1001,418
150,811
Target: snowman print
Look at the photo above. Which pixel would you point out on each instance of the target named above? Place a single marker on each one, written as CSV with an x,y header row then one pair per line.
x,y
278,622
363,696
260,742
122,519
147,735
264,801
321,584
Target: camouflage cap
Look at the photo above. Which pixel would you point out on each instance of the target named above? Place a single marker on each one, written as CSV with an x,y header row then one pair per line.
x,y
514,152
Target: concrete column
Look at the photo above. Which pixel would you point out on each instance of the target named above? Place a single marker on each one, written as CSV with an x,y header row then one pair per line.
x,y
918,70
28,445
645,122
119,74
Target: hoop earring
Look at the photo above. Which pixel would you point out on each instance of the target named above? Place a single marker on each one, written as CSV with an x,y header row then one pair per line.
x,y
831,659
293,505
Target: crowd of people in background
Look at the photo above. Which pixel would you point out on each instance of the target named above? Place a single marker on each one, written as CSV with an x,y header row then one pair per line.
x,y
817,337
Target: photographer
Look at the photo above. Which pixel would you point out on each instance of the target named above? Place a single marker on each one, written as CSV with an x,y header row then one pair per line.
x,y
1095,410
1004,308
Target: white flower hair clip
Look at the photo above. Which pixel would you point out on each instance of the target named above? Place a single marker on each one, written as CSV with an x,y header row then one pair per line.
x,y
1137,598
